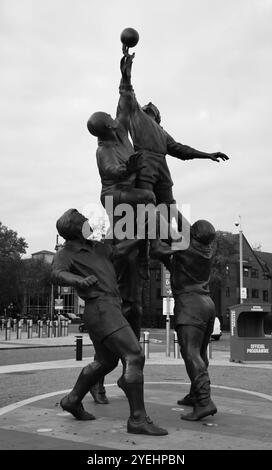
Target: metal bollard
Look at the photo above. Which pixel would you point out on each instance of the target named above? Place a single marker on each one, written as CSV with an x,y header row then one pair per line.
x,y
62,328
78,348
49,328
146,344
19,329
66,327
176,345
40,328
209,350
167,335
7,330
56,328
29,328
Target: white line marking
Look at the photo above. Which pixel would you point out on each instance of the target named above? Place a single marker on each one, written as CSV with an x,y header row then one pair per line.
x,y
19,404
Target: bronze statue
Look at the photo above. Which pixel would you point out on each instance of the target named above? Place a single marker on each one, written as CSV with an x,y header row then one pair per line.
x,y
87,266
135,178
194,314
153,142
118,166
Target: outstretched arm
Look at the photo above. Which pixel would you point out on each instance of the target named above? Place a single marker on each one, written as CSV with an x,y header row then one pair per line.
x,y
124,247
184,152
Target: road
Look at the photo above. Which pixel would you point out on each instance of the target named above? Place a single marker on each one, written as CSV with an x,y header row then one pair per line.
x,y
157,344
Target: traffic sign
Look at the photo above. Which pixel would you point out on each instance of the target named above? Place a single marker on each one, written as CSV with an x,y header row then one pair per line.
x,y
243,292
168,306
58,304
166,290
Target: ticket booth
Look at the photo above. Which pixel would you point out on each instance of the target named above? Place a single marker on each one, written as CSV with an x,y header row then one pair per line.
x,y
247,339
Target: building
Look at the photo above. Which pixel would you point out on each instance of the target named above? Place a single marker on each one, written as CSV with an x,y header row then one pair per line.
x,y
44,255
257,279
41,304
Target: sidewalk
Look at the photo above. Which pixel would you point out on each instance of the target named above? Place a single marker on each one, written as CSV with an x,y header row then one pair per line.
x,y
36,342
243,420
217,357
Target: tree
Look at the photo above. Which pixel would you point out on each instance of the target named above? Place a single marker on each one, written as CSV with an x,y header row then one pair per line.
x,y
36,282
12,248
225,249
36,277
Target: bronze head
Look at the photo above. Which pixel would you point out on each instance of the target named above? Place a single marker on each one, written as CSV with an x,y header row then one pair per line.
x,y
152,111
73,225
203,231
101,125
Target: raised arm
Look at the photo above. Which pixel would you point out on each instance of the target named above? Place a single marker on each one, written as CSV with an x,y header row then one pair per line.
x,y
127,101
184,152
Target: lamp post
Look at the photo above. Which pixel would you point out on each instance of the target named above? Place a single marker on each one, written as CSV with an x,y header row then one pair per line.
x,y
57,247
238,224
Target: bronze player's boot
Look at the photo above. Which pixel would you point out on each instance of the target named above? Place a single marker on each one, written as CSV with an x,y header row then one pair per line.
x,y
138,422
203,406
145,426
76,409
201,411
98,393
189,399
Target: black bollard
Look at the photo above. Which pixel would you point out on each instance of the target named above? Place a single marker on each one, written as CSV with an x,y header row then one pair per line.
x,y
78,348
7,329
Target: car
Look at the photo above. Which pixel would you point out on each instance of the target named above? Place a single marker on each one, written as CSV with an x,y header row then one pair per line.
x,y
217,332
82,328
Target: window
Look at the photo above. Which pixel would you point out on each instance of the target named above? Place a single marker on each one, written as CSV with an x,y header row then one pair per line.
x,y
255,273
255,293
227,292
265,295
245,270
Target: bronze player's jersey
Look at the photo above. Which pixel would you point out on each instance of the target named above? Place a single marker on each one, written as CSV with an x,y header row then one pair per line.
x,y
190,269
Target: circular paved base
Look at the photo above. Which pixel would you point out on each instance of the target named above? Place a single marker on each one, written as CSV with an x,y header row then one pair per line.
x,y
243,421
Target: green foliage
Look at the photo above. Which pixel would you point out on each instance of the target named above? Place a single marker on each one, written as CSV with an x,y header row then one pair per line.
x,y
36,277
225,249
12,248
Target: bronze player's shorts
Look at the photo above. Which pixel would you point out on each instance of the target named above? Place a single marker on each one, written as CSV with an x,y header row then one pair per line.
x,y
103,316
194,309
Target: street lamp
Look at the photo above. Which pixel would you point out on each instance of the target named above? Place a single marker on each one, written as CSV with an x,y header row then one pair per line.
x,y
238,224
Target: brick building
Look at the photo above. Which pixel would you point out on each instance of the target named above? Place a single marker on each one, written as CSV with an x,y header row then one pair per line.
x,y
257,279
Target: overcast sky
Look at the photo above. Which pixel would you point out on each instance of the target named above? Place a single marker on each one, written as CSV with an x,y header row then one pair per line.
x,y
205,63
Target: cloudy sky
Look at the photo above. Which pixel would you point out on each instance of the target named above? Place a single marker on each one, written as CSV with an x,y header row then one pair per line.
x,y
205,63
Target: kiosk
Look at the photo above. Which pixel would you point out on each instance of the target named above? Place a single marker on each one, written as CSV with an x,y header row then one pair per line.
x,y
247,339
